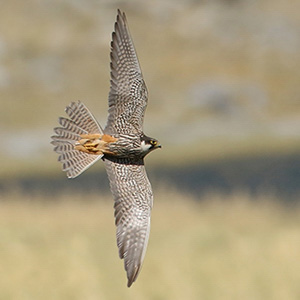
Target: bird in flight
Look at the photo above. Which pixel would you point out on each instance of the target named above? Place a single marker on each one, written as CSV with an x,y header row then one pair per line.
x,y
122,145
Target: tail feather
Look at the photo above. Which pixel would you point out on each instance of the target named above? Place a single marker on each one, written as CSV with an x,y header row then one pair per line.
x,y
82,117
64,135
62,146
70,125
81,121
75,162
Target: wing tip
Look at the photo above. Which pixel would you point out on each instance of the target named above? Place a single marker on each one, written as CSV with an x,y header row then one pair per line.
x,y
121,21
121,14
133,277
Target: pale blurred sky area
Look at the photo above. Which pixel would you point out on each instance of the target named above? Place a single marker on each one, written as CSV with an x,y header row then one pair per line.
x,y
223,76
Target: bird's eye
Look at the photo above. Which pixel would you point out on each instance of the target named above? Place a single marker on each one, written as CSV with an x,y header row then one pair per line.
x,y
152,142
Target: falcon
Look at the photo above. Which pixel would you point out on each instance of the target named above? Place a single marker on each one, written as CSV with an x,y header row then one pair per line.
x,y
122,145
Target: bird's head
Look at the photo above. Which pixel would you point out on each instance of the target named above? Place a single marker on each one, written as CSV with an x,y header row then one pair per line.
x,y
149,144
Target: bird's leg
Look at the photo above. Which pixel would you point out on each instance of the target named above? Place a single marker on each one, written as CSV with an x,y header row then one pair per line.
x,y
90,143
94,143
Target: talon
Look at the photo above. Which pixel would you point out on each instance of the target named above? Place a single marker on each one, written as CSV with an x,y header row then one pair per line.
x,y
94,143
80,148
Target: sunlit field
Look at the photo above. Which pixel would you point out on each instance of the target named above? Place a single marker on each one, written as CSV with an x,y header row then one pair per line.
x,y
232,247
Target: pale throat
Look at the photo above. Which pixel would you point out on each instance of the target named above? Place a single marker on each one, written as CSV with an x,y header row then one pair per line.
x,y
145,147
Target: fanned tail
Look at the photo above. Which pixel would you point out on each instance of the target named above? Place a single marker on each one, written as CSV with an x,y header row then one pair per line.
x,y
81,121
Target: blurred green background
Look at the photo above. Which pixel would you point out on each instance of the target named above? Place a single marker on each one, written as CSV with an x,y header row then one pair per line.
x,y
223,78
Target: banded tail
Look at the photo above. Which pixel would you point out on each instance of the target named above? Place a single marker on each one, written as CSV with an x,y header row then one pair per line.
x,y
81,122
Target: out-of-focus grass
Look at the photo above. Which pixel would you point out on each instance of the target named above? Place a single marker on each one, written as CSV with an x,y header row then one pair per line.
x,y
219,248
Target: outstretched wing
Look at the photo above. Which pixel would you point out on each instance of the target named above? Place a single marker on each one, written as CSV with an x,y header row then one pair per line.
x,y
128,93
81,121
133,203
